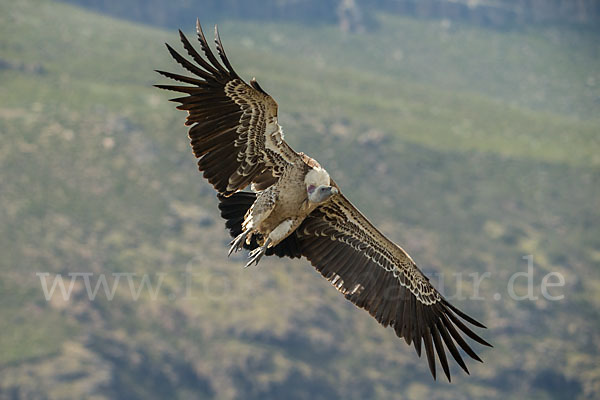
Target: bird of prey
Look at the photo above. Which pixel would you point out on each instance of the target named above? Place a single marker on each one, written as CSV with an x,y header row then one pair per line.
x,y
295,209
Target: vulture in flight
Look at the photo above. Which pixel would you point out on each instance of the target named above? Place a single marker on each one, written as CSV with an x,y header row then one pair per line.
x,y
294,208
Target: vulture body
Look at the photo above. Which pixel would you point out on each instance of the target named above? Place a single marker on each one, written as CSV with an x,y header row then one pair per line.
x,y
296,210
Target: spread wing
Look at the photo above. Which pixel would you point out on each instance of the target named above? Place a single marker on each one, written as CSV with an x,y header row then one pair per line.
x,y
234,130
377,275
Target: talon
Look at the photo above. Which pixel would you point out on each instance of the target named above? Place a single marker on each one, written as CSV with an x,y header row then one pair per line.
x,y
238,243
256,254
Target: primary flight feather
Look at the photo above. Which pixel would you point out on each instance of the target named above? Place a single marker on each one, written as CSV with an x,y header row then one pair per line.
x,y
296,210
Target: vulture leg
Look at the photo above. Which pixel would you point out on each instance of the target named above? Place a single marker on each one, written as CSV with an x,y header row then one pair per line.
x,y
256,254
238,243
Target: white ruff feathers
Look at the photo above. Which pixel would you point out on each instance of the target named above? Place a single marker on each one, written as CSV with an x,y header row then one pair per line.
x,y
317,176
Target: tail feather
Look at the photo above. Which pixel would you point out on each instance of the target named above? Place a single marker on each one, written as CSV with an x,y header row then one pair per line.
x,y
233,210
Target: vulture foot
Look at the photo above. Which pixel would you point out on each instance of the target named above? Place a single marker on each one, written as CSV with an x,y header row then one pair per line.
x,y
238,243
256,254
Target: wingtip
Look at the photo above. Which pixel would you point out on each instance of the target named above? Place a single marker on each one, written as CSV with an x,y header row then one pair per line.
x,y
464,316
167,87
218,37
163,73
418,351
173,52
199,27
181,35
478,324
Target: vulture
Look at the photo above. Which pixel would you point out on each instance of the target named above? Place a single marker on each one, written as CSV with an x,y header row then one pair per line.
x,y
294,209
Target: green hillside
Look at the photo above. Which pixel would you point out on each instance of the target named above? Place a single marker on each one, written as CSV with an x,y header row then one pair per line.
x,y
471,148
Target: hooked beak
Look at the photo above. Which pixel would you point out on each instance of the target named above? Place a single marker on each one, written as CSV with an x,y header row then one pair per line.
x,y
321,194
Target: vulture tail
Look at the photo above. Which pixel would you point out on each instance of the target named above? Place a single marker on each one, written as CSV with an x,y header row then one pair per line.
x,y
234,208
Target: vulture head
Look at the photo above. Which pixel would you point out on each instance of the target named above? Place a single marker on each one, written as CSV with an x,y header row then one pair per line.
x,y
318,185
320,194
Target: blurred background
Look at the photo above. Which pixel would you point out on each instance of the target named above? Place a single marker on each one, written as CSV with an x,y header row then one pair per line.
x,y
468,131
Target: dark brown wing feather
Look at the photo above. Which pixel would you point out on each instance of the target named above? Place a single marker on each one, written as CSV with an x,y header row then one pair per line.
x,y
377,275
234,130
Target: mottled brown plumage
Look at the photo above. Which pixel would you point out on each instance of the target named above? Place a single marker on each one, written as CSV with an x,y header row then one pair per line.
x,y
296,210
